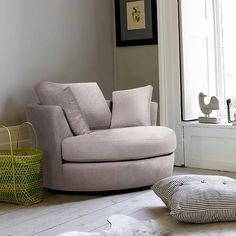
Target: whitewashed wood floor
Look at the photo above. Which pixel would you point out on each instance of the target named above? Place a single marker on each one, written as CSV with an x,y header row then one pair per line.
x,y
63,212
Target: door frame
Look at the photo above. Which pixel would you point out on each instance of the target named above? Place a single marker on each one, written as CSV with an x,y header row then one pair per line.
x,y
169,71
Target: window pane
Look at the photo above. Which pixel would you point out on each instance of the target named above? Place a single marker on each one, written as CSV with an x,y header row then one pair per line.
x,y
198,54
229,47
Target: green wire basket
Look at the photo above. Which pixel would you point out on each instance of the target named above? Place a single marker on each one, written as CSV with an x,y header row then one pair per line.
x,y
21,172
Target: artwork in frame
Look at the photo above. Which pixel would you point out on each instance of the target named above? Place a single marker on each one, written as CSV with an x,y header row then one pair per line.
x,y
136,22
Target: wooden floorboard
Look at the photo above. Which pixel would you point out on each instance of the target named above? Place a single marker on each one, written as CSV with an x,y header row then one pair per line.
x,y
95,219
62,212
55,211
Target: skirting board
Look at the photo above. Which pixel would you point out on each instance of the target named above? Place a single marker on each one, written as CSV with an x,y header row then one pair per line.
x,y
210,148
24,139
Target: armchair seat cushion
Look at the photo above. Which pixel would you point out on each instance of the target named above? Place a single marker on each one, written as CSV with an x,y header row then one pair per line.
x,y
119,144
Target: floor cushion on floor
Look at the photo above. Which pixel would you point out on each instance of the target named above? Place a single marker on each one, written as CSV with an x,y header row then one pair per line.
x,y
198,198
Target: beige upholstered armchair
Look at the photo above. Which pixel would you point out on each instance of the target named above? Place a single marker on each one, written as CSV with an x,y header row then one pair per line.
x,y
104,158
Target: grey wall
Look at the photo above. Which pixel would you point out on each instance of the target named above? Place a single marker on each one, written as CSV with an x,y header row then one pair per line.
x,y
54,40
137,66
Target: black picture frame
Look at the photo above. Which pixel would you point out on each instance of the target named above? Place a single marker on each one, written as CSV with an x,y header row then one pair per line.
x,y
130,31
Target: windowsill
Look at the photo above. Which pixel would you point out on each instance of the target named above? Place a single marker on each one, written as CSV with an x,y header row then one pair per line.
x,y
222,125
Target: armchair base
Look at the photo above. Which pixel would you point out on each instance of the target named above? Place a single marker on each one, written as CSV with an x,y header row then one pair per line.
x,y
105,176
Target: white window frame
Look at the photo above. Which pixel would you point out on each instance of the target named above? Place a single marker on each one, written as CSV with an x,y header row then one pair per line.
x,y
191,109
220,80
216,85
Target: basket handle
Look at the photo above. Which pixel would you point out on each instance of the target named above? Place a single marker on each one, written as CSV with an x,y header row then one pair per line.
x,y
27,123
12,160
10,139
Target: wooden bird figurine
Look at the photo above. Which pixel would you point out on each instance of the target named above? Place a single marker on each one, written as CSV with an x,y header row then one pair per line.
x,y
208,108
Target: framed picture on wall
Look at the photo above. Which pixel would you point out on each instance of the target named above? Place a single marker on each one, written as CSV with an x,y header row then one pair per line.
x,y
136,22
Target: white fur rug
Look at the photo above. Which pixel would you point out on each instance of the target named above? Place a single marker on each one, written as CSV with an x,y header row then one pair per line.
x,y
166,225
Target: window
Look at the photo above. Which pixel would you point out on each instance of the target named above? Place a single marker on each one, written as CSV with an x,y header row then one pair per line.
x,y
208,51
227,47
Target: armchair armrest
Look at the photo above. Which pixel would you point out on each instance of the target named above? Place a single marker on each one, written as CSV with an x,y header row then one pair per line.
x,y
154,107
52,128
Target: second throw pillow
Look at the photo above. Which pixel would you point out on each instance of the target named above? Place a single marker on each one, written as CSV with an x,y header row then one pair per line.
x,y
131,107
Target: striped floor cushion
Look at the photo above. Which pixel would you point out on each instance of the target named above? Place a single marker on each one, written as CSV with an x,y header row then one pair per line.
x,y
199,198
